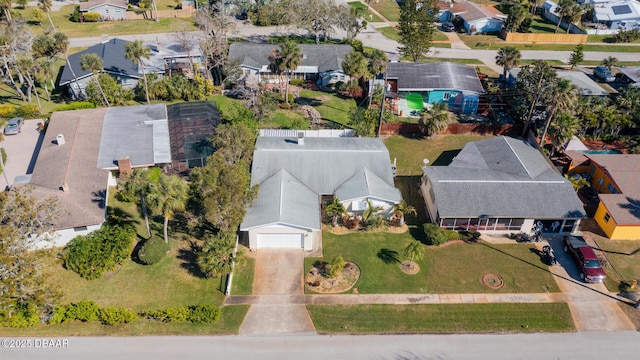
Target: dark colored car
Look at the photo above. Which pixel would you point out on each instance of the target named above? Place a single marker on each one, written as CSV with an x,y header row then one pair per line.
x,y
14,126
588,263
243,15
448,26
603,74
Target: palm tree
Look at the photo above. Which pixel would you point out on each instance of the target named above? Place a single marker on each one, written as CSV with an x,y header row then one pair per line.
x,y
508,57
216,256
563,129
573,14
401,209
288,58
577,181
138,183
562,10
564,99
609,62
371,210
355,65
45,5
136,51
166,197
517,14
414,251
335,209
275,67
93,62
436,119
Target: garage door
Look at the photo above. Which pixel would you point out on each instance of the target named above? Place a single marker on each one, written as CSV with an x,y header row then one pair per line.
x,y
289,241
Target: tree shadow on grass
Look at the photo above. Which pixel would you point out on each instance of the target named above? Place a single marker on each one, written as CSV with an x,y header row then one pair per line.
x,y
188,253
122,216
388,256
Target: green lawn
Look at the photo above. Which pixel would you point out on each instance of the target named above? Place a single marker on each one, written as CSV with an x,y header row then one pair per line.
x,y
332,107
449,318
439,149
71,29
550,62
388,8
623,256
487,71
287,119
540,25
364,11
243,275
620,63
605,39
456,268
392,33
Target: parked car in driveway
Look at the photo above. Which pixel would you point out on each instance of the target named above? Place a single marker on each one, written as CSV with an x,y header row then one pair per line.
x,y
14,126
448,26
603,74
586,259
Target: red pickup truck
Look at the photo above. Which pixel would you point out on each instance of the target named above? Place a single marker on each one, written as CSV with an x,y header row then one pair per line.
x,y
588,263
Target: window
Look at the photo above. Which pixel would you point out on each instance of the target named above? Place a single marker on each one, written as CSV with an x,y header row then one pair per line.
x,y
612,189
106,11
592,169
446,96
607,217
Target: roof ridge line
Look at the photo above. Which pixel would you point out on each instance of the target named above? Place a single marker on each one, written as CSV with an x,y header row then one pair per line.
x,y
516,154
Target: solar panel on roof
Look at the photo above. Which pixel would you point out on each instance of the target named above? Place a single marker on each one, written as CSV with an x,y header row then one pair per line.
x,y
621,9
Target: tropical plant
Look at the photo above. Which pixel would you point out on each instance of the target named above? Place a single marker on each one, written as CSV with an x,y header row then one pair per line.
x,y
436,119
563,9
401,209
577,181
564,99
517,15
562,129
285,59
433,234
609,62
335,209
508,57
355,65
153,250
216,256
337,265
136,51
92,62
577,56
414,251
166,197
138,184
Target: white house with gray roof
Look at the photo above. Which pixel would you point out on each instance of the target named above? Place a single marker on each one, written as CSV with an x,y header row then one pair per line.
x,y
500,185
295,173
319,62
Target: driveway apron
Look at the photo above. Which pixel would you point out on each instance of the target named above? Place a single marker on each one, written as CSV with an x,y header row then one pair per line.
x,y
278,276
592,306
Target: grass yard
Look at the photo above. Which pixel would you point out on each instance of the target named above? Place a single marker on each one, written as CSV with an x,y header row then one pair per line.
x,y
550,62
487,71
287,119
620,63
439,149
364,11
456,268
71,29
388,8
540,25
389,32
243,274
605,39
332,107
447,318
229,323
9,96
624,256
496,44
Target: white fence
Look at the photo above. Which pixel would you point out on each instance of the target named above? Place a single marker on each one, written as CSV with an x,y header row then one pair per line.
x,y
307,133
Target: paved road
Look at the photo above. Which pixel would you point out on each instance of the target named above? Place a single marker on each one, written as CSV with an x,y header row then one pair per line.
x,y
579,346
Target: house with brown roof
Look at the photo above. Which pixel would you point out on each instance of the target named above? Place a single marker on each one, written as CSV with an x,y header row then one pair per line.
x,y
616,178
480,19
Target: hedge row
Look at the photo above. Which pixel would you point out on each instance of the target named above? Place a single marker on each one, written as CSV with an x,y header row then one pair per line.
x,y
196,314
90,311
78,105
8,111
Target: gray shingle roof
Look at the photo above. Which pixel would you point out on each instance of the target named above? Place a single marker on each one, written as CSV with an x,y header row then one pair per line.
x,y
73,163
632,72
325,56
140,133
364,183
502,177
283,199
113,60
86,6
583,82
434,75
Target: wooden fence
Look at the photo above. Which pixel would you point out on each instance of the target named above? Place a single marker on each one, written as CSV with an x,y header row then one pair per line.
x,y
162,14
455,128
545,38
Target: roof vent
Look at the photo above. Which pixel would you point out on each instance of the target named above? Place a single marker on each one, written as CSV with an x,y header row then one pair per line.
x,y
301,138
60,139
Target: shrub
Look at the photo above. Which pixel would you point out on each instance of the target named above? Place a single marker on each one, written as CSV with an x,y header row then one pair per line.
x,y
25,315
153,250
78,105
336,267
83,311
167,315
433,234
114,315
75,16
59,315
203,313
8,111
91,17
297,82
100,251
340,86
626,36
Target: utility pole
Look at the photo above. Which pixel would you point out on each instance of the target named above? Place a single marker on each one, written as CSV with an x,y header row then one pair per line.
x,y
384,91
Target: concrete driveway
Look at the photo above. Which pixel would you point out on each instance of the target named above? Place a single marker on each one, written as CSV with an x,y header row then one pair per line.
x,y
278,277
592,306
22,150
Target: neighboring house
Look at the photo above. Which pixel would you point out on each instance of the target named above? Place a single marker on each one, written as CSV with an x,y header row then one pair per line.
x,y
114,62
191,125
584,84
500,185
80,149
296,174
618,15
448,9
420,84
630,75
481,19
321,63
171,56
549,11
615,178
108,9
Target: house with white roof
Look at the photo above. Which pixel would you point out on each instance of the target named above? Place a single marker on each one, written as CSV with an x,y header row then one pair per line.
x,y
296,175
618,15
500,185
